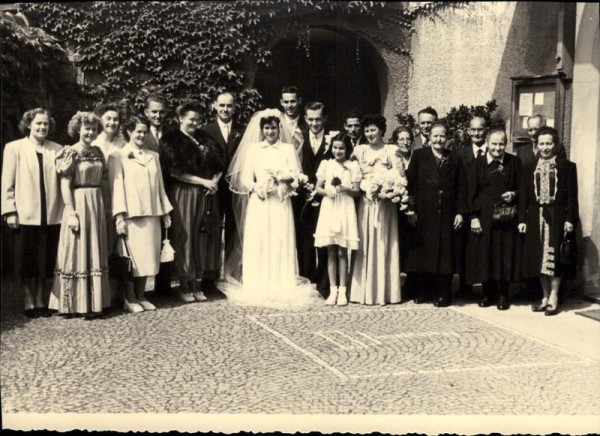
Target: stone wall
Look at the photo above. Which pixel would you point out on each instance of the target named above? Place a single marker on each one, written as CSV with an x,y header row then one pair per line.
x,y
467,55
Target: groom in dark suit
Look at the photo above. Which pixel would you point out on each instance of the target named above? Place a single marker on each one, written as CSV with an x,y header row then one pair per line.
x,y
227,134
313,261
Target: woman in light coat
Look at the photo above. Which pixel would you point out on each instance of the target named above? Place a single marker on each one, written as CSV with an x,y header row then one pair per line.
x,y
139,204
32,206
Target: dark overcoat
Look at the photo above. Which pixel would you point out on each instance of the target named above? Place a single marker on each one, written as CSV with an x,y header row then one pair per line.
x,y
491,255
565,208
438,194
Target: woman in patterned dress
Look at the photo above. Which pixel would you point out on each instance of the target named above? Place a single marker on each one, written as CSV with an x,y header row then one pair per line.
x,y
548,210
376,276
81,285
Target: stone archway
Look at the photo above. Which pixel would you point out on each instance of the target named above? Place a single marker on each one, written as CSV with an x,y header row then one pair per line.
x,y
342,70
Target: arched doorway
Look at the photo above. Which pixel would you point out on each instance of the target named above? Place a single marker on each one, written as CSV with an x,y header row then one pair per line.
x,y
342,71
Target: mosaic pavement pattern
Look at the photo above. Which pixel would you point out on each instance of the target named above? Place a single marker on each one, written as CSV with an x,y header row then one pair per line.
x,y
215,357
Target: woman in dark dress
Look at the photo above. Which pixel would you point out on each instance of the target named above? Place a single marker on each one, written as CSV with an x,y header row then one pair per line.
x,y
548,210
491,251
436,185
32,206
193,165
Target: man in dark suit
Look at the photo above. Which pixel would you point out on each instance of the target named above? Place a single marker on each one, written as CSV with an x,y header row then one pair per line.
x,y
227,134
156,112
353,128
468,156
313,261
426,118
527,152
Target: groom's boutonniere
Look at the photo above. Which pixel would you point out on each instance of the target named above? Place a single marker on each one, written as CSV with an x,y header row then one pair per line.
x,y
329,137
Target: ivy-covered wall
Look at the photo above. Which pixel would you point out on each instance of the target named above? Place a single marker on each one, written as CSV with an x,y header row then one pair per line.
x,y
182,49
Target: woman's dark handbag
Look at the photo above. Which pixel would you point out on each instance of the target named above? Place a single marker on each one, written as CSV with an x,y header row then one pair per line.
x,y
504,213
211,220
568,250
120,267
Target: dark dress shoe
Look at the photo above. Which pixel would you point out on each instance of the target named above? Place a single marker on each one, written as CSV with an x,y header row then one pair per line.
x,y
32,313
45,312
442,302
92,315
210,289
420,298
551,311
485,301
539,308
503,303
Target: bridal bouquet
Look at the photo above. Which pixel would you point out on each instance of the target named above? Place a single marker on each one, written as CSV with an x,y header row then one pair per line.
x,y
388,185
288,183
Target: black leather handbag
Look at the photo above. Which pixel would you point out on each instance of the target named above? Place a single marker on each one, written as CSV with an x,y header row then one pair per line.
x,y
568,250
211,220
120,267
504,213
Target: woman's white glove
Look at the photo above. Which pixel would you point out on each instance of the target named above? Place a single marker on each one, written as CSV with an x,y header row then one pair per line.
x,y
73,223
166,219
121,226
12,221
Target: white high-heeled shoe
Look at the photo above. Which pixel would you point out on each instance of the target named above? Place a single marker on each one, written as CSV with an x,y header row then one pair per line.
x,y
146,305
132,307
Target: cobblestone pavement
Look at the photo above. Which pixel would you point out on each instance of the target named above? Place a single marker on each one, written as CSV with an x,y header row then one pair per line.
x,y
216,357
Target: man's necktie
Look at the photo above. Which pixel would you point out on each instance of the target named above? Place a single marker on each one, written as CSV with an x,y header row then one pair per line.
x,y
226,132
479,153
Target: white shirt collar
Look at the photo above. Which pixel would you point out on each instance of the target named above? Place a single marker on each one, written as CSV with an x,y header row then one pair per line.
x,y
489,158
292,122
318,136
265,144
475,148
424,139
222,125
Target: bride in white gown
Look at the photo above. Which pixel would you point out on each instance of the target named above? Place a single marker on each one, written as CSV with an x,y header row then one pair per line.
x,y
262,269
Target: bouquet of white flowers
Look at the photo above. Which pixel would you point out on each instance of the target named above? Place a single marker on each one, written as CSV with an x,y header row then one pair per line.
x,y
388,185
288,183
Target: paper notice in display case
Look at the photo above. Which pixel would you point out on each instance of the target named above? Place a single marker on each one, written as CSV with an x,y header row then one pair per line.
x,y
526,104
538,100
550,122
524,123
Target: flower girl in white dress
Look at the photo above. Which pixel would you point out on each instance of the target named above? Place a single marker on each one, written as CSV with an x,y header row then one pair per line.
x,y
338,181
